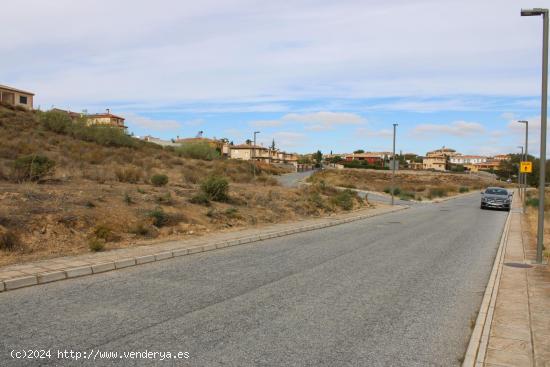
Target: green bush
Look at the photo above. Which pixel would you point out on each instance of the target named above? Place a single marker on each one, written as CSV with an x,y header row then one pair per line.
x,y
396,191
32,167
216,188
463,189
344,199
406,195
103,135
198,150
160,218
200,198
105,233
159,180
437,193
96,245
534,202
165,199
316,199
56,121
232,213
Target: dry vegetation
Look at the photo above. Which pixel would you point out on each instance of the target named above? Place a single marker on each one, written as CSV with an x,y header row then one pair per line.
x,y
410,185
531,217
67,192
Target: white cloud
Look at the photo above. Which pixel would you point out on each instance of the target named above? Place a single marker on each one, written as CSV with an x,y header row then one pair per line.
x,y
266,123
314,121
383,133
288,139
457,128
136,120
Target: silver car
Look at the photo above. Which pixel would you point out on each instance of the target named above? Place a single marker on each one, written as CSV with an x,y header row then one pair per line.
x,y
497,198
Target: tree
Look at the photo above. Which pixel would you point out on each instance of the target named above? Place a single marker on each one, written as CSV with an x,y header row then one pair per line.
x,y
248,141
318,158
273,145
359,151
335,159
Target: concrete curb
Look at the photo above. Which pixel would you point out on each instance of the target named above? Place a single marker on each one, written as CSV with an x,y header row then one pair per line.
x,y
475,353
53,276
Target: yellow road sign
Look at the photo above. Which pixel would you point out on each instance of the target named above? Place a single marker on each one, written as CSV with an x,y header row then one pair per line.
x,y
526,167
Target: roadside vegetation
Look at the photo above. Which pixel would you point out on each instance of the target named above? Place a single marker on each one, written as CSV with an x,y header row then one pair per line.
x,y
409,185
67,188
531,217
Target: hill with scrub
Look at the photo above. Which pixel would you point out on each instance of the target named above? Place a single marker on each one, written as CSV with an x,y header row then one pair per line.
x,y
68,188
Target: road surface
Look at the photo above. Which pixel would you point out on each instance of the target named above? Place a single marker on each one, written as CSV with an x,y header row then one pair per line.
x,y
394,290
294,179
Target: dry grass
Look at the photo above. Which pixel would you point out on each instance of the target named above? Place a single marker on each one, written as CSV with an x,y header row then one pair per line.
x,y
417,185
530,225
101,197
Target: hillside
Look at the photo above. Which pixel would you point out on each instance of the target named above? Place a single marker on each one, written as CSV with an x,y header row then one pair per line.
x,y
66,188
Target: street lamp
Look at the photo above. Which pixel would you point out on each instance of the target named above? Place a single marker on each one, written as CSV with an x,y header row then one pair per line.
x,y
543,108
393,166
254,153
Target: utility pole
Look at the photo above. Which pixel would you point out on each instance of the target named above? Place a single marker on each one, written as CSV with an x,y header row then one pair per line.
x,y
254,153
393,167
543,117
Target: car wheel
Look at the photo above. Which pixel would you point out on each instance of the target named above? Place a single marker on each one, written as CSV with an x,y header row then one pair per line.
x,y
482,206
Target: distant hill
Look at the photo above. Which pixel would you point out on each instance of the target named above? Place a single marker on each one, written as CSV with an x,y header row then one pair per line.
x,y
66,188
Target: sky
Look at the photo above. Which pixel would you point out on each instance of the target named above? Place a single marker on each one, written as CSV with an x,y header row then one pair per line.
x,y
327,75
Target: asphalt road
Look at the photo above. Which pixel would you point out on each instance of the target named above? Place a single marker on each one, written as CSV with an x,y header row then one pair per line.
x,y
393,290
293,179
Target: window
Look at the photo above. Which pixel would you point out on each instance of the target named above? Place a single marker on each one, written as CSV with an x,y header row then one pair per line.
x,y
23,99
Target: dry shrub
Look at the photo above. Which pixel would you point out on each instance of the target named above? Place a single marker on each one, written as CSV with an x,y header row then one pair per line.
x,y
190,175
106,233
267,180
98,175
129,174
9,241
94,156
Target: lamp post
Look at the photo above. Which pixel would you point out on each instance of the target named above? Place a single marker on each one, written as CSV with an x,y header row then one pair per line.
x,y
543,108
254,153
393,166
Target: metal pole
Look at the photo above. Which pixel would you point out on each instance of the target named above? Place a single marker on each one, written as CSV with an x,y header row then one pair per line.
x,y
393,167
543,116
526,154
519,172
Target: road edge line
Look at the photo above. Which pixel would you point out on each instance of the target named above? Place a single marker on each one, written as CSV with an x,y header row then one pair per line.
x,y
480,335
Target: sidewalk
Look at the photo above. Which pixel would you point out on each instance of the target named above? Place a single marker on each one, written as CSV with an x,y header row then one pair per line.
x,y
519,331
45,271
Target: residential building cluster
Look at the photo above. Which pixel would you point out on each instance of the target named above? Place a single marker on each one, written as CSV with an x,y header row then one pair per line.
x,y
443,159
